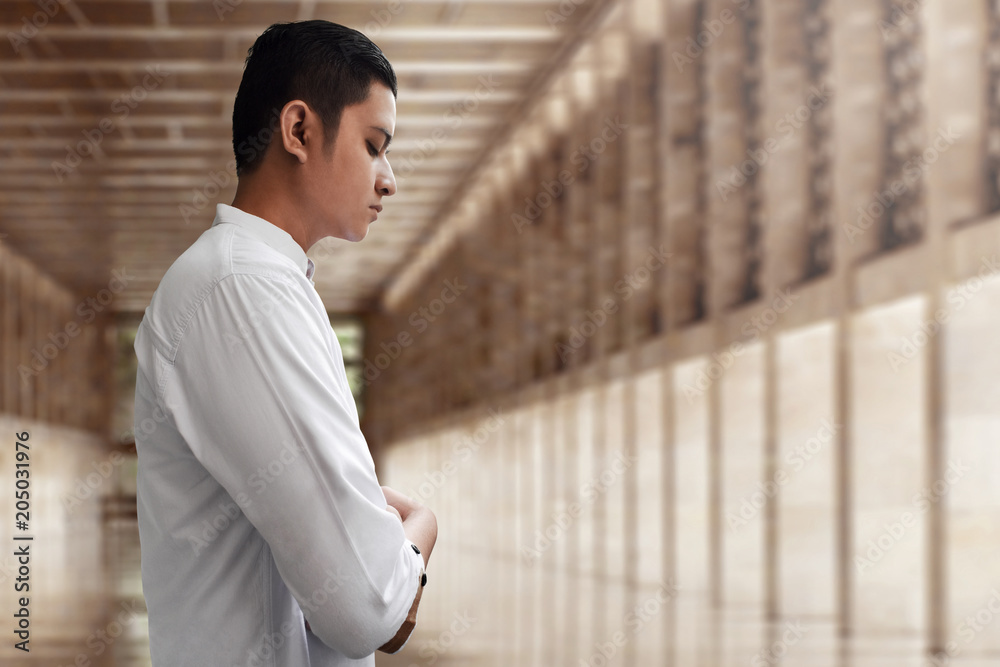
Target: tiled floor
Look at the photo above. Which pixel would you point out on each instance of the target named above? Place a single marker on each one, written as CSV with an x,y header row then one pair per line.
x,y
85,598
99,620
100,630
567,605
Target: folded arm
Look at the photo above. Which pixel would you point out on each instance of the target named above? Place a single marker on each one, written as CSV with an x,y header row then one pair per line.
x,y
267,413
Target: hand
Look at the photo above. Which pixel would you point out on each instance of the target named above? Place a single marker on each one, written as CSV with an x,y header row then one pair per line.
x,y
420,527
419,522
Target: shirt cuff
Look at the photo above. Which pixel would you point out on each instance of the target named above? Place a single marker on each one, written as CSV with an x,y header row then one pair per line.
x,y
397,643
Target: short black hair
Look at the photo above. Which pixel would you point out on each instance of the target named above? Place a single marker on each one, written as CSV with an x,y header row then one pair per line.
x,y
324,64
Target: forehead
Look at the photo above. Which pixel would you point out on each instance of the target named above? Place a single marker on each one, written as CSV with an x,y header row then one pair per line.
x,y
379,109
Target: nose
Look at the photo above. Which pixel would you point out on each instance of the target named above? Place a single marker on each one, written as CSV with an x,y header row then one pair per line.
x,y
385,181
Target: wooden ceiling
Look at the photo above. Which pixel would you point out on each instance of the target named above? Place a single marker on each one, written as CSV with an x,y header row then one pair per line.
x,y
115,124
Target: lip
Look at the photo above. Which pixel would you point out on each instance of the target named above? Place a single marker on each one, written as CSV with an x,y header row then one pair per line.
x,y
378,208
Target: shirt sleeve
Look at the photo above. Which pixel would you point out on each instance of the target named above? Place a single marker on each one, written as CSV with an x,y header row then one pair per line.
x,y
255,393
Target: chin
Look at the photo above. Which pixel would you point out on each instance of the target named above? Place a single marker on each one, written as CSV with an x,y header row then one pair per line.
x,y
355,235
352,233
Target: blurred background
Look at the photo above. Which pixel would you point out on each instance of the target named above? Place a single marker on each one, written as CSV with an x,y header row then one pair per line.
x,y
683,320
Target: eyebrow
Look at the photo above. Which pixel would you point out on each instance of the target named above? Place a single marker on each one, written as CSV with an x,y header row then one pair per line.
x,y
388,136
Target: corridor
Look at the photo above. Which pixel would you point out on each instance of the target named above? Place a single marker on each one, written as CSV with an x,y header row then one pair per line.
x,y
682,321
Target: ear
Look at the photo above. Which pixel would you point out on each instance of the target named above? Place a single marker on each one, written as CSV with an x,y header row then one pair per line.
x,y
300,129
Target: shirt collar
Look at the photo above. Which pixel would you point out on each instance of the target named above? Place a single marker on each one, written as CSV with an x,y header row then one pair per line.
x,y
269,233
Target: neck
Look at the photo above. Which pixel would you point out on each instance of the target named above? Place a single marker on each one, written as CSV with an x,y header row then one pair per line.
x,y
257,195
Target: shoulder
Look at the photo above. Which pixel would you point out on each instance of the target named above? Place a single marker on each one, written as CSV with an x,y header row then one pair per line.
x,y
223,265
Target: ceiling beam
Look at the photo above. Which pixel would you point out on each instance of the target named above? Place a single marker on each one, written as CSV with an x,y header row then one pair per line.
x,y
406,274
402,67
445,96
390,36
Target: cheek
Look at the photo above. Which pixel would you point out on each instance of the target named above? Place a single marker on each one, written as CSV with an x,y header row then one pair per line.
x,y
366,179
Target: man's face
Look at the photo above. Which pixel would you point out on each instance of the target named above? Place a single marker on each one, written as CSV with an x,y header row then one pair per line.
x,y
352,177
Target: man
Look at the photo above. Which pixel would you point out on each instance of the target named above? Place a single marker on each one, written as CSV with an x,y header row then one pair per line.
x,y
266,538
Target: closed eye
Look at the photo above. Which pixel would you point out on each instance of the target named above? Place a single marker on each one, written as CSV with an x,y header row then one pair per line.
x,y
372,149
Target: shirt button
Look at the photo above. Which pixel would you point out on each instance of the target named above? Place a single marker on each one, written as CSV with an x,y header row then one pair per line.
x,y
415,549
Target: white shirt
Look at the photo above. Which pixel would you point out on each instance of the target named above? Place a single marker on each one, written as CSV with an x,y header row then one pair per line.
x,y
258,500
